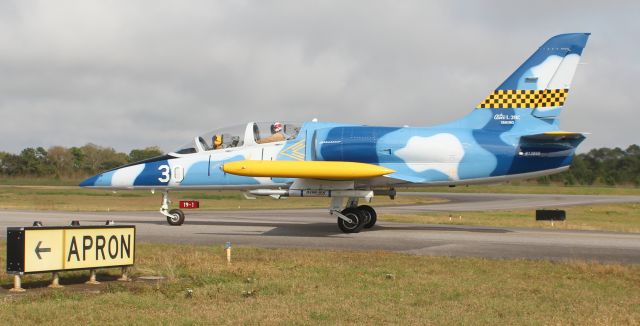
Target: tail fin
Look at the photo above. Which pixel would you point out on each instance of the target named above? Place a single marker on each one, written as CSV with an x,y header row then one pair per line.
x,y
542,82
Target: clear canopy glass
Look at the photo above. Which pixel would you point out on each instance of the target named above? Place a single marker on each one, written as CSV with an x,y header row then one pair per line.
x,y
264,130
235,136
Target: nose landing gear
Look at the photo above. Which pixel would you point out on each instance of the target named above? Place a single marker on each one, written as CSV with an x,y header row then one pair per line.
x,y
175,216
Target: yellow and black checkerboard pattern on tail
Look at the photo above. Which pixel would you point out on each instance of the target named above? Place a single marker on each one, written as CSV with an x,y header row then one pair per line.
x,y
529,99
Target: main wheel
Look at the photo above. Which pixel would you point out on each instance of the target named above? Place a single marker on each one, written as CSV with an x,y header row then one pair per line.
x,y
371,217
355,215
177,217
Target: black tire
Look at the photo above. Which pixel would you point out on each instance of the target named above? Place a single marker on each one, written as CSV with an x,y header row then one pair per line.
x,y
371,217
366,216
356,216
177,219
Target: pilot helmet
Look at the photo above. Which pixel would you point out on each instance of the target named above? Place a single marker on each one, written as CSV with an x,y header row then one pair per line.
x,y
276,127
217,140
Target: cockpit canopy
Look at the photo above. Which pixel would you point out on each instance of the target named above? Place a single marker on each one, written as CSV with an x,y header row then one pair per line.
x,y
250,134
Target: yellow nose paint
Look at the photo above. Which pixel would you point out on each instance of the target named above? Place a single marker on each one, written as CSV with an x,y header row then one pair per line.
x,y
305,169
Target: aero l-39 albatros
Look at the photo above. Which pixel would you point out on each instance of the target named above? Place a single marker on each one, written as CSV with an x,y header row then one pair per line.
x,y
512,134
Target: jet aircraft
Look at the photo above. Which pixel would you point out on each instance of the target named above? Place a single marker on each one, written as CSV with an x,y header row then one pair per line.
x,y
513,133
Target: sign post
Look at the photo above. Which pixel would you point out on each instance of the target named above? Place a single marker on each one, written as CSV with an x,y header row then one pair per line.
x,y
53,249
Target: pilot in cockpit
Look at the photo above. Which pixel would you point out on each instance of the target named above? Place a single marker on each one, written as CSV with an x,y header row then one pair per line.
x,y
217,141
276,134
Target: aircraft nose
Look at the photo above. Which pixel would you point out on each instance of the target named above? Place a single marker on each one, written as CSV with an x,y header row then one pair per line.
x,y
99,180
119,177
89,182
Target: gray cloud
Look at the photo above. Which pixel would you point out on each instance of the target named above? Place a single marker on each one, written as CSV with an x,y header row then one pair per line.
x,y
135,74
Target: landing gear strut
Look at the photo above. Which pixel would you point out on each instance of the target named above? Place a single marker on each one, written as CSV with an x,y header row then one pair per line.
x,y
353,218
175,216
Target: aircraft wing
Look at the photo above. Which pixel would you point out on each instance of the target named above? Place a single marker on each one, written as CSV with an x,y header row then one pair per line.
x,y
329,170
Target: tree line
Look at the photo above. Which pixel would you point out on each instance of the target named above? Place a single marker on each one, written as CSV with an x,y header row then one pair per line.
x,y
606,166
72,162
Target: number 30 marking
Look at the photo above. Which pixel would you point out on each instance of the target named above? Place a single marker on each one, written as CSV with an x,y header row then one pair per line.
x,y
165,173
178,173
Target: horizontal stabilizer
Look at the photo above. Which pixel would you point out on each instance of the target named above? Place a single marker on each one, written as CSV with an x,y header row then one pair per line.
x,y
556,136
330,170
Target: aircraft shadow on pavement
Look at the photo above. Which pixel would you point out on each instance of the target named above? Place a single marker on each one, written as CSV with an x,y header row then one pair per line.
x,y
318,229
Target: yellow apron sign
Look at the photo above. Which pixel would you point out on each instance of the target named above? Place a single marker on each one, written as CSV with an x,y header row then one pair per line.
x,y
43,249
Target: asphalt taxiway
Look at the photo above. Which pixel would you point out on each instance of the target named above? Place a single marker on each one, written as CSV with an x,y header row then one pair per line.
x,y
314,228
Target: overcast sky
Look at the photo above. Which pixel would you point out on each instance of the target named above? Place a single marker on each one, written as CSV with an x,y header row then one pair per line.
x,y
132,74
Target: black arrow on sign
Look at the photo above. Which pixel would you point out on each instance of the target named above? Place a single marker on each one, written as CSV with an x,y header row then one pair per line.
x,y
39,250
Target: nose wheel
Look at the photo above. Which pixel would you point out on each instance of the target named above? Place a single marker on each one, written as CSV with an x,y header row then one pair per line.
x,y
175,216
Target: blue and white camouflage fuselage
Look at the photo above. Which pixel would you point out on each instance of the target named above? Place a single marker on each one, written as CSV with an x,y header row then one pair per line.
x,y
513,133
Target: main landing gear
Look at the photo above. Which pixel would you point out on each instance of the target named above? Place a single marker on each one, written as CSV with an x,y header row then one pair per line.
x,y
175,216
353,218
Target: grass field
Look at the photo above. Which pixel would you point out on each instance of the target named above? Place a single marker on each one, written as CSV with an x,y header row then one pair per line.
x,y
278,286
604,217
527,188
77,199
69,198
